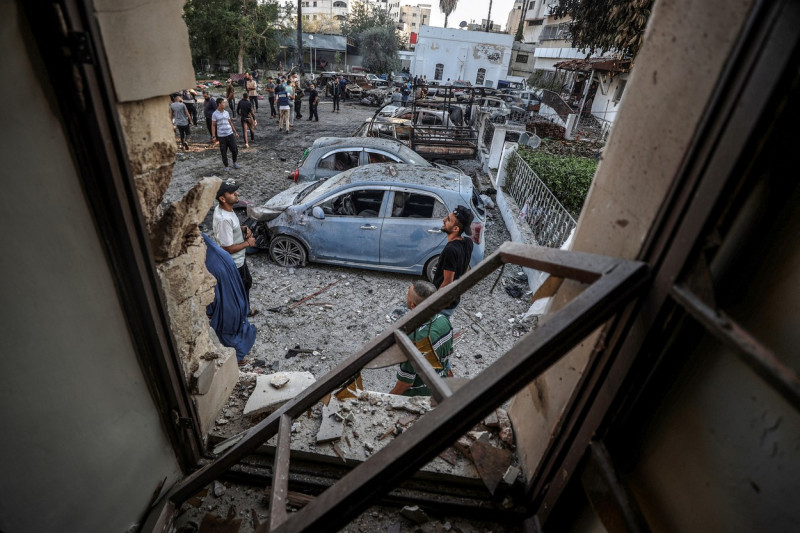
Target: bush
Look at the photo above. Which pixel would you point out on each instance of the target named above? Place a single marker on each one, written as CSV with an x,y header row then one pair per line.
x,y
567,177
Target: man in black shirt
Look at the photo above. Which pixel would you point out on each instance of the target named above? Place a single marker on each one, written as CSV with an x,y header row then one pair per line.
x,y
245,110
455,257
313,102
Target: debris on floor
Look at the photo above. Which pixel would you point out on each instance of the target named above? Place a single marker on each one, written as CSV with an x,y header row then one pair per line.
x,y
266,397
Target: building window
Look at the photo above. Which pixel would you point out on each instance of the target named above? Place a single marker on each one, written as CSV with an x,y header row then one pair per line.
x,y
315,17
618,93
340,4
437,74
479,79
522,58
315,4
414,15
555,32
413,24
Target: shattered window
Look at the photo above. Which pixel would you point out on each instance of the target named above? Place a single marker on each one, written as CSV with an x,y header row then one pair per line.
x,y
340,161
437,75
403,133
376,157
415,205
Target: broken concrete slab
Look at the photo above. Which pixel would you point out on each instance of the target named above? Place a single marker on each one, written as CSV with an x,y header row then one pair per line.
x,y
506,431
332,425
511,475
491,463
415,514
266,398
202,377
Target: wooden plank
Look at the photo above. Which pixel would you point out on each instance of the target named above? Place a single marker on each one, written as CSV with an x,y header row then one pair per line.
x,y
439,389
280,475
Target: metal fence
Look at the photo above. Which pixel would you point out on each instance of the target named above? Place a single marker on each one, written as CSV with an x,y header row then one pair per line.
x,y
549,220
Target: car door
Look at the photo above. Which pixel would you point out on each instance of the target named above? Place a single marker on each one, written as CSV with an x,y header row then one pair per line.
x,y
351,230
412,227
336,161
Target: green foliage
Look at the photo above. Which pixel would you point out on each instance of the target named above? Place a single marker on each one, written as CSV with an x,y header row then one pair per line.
x,y
363,17
379,49
447,7
604,25
567,177
234,30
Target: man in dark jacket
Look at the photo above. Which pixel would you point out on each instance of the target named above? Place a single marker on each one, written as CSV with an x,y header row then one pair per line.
x,y
209,106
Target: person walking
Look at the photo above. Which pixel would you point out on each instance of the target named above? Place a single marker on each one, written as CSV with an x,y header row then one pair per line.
x,y
230,96
455,257
248,118
270,88
336,91
290,94
209,106
252,92
298,100
313,102
180,117
190,101
283,107
223,130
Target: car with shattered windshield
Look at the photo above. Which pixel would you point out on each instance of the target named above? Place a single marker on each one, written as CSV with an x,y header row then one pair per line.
x,y
379,217
329,156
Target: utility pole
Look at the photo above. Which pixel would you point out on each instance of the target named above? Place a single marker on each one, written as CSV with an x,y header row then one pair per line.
x,y
300,36
489,18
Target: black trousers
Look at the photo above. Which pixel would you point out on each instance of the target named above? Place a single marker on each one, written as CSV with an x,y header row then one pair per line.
x,y
224,144
184,131
312,112
273,112
297,105
335,102
208,124
247,279
232,105
192,108
254,101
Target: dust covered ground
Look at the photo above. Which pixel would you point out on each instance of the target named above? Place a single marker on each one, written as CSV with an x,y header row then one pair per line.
x,y
359,304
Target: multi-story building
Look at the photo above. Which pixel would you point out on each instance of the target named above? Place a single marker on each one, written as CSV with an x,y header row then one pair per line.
x,y
474,26
324,14
514,16
391,7
412,18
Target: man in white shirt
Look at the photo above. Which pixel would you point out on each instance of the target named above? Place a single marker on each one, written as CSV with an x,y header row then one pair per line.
x,y
223,130
231,236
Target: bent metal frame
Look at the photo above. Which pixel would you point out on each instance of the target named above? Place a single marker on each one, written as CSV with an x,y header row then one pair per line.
x,y
612,283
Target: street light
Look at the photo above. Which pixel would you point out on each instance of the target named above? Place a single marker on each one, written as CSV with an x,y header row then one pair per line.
x,y
284,47
311,55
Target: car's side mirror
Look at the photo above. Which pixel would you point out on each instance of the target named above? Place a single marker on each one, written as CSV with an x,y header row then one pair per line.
x,y
317,212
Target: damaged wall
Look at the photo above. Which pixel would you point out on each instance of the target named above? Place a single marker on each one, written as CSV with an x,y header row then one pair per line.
x,y
634,176
178,249
83,445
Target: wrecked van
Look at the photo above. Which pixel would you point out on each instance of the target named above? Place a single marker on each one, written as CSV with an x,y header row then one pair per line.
x,y
378,217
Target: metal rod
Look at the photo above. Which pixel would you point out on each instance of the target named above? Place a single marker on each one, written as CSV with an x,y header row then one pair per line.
x,y
439,389
280,475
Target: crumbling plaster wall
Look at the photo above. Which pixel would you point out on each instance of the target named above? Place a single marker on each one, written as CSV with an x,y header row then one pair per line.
x,y
147,46
685,42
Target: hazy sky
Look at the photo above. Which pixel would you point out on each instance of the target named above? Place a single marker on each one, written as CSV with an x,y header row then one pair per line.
x,y
468,10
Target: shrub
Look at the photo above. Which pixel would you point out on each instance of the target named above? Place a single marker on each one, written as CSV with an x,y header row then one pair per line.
x,y
567,177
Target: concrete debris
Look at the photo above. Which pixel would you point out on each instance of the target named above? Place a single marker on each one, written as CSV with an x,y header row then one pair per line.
x,y
350,419
219,489
368,446
394,528
331,427
265,398
491,421
506,431
482,436
449,455
491,463
511,475
279,380
415,514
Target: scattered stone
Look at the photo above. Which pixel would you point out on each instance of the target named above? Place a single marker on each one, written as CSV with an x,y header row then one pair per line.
x,y
479,315
491,421
266,398
449,455
219,489
368,445
415,514
331,427
511,475
279,380
350,419
506,431
447,526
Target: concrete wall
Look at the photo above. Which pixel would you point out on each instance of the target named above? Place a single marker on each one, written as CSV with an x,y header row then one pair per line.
x,y
643,154
462,53
83,448
604,106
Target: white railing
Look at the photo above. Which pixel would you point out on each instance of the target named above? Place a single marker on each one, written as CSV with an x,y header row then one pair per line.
x,y
550,222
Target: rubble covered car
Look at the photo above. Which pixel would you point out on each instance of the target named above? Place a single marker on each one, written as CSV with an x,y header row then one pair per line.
x,y
379,217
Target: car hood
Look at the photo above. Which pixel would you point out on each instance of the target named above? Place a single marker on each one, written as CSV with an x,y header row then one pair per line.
x,y
277,204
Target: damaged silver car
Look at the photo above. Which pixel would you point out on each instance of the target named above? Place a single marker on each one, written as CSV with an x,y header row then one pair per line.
x,y
380,217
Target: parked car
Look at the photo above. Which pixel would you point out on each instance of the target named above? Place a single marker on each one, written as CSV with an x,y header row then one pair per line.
x,y
329,156
431,142
379,217
376,81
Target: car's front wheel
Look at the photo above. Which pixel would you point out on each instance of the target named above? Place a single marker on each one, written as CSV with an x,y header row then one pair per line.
x,y
430,268
287,251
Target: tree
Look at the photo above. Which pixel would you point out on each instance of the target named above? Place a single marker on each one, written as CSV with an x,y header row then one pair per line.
x,y
379,49
363,17
447,7
234,29
604,25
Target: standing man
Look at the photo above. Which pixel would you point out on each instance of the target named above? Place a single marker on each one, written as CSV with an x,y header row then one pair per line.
x,y
229,95
283,107
290,94
209,106
248,119
313,102
223,130
252,91
336,91
298,100
270,88
396,97
180,116
455,257
190,101
343,87
233,237
434,339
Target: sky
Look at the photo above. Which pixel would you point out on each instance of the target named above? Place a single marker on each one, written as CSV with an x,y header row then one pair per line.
x,y
468,10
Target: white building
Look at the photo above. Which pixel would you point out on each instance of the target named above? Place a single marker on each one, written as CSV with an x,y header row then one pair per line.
x,y
480,58
474,26
314,10
391,7
514,17
412,18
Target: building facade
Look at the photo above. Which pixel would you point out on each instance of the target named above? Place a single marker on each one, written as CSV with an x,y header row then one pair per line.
x,y
412,18
514,16
480,58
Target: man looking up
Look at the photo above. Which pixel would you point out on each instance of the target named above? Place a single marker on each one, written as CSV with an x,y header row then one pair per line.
x,y
434,339
231,235
455,257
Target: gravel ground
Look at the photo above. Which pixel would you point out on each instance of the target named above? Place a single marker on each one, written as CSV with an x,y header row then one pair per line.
x,y
337,322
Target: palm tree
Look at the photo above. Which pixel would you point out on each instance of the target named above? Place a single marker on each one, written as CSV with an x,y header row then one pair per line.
x,y
447,7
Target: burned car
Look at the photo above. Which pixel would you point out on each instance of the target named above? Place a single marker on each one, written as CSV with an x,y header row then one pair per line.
x,y
329,156
379,217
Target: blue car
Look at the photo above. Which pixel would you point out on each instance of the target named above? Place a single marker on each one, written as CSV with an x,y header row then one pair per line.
x,y
380,216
